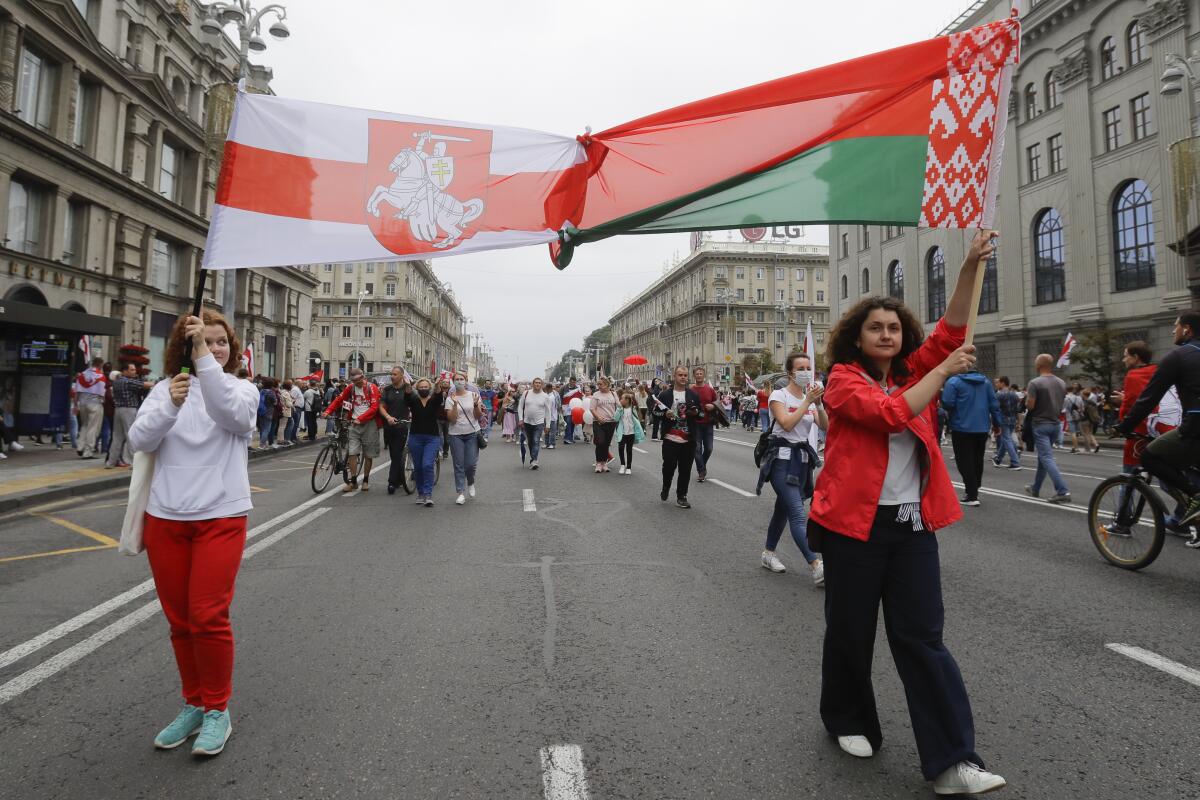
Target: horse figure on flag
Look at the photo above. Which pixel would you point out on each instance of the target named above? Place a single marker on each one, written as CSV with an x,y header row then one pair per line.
x,y
418,193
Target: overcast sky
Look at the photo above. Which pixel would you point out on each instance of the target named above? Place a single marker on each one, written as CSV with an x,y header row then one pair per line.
x,y
559,66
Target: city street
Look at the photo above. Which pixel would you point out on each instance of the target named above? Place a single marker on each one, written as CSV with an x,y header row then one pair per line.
x,y
567,635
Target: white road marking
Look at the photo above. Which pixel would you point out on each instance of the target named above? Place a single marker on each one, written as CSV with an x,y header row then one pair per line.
x,y
55,664
563,777
725,485
643,452
92,614
733,441
1024,498
527,499
1168,666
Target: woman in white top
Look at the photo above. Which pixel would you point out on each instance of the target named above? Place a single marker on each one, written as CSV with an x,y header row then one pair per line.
x,y
791,460
464,409
199,427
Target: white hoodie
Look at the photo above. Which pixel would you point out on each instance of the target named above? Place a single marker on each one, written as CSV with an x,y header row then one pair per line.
x,y
200,469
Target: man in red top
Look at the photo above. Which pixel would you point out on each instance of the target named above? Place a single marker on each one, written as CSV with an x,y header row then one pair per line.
x,y
362,396
1136,359
764,413
703,425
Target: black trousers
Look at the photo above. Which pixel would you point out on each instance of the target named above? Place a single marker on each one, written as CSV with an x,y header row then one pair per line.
x,y
602,436
625,450
969,450
310,422
679,457
395,437
901,569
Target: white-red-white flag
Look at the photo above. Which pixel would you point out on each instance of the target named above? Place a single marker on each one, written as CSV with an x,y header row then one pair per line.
x,y
1064,357
248,358
85,344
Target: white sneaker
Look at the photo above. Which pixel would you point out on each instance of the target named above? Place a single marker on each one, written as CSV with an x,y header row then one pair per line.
x,y
16,446
818,572
771,561
966,778
2,456
621,471
458,501
533,465
471,490
857,746
629,470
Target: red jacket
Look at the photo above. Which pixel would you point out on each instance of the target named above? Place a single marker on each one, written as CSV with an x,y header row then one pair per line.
x,y
1135,381
861,418
372,412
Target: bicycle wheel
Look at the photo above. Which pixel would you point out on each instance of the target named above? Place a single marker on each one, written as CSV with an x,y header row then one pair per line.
x,y
406,482
437,468
1125,519
323,468
346,476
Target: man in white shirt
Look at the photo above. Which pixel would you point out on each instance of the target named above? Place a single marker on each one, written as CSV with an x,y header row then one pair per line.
x,y
534,412
312,400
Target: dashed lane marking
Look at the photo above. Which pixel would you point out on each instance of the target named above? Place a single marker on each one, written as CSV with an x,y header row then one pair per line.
x,y
725,485
563,776
1024,498
1162,663
527,500
733,441
643,452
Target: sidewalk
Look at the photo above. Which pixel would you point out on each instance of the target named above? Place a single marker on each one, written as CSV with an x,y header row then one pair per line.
x,y
41,473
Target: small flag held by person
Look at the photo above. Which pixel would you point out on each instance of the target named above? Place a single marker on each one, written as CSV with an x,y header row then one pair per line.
x,y
1064,357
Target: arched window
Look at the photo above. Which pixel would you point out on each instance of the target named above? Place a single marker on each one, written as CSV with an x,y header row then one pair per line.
x,y
866,281
26,293
1137,47
1108,58
989,298
895,278
935,280
1031,105
1052,100
73,305
845,287
1049,268
1133,226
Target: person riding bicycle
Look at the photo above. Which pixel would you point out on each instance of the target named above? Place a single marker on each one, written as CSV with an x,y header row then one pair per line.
x,y
1168,456
363,397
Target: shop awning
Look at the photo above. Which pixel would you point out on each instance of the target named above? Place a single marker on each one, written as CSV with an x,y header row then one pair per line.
x,y
31,315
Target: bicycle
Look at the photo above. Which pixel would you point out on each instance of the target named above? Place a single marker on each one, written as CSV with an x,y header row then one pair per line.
x,y
334,458
1127,516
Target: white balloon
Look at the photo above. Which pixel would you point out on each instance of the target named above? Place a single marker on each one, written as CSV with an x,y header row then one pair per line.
x,y
587,402
588,418
575,403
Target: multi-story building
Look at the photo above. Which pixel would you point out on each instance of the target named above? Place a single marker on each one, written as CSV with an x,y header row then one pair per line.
x,y
1095,163
376,315
107,175
722,302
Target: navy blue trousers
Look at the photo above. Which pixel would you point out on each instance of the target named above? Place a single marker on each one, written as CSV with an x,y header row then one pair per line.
x,y
899,568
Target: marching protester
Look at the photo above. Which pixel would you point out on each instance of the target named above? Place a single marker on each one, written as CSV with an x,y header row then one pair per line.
x,y
289,415
195,523
464,411
444,388
424,437
1074,409
556,408
627,423
394,410
331,391
128,390
569,393
534,414
1090,421
312,396
604,409
678,406
509,429
488,395
790,461
363,397
89,394
641,397
882,494
748,404
1137,358
1044,397
1010,405
972,409
705,423
297,425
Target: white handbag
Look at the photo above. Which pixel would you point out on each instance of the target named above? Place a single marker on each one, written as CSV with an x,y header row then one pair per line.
x,y
139,498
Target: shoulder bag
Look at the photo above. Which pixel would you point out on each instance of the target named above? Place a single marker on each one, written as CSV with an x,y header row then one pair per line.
x,y
480,439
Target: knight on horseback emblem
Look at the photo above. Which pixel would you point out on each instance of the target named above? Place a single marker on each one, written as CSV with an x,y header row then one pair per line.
x,y
419,192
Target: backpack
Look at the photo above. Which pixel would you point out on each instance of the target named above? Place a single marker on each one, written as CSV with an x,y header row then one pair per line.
x,y
262,403
1093,413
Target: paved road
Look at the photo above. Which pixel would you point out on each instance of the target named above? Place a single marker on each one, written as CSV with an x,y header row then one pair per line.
x,y
387,650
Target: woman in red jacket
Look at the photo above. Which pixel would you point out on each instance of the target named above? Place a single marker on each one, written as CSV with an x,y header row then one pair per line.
x,y
882,494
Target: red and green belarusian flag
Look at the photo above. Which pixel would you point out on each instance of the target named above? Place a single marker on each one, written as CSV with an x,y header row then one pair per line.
x,y
911,136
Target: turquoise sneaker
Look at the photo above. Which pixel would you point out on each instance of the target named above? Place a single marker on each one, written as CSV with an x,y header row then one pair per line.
x,y
213,734
186,724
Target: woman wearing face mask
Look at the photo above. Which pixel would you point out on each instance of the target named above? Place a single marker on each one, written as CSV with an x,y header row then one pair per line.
x,y
790,461
628,430
424,437
464,410
195,525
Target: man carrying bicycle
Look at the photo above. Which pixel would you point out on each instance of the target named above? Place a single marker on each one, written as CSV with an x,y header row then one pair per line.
x,y
1168,456
393,408
362,398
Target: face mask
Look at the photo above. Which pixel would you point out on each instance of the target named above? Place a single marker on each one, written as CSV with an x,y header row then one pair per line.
x,y
423,392
460,385
803,377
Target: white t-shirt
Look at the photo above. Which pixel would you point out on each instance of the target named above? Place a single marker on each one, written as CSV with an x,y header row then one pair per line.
x,y
627,421
535,407
790,402
466,413
902,482
359,398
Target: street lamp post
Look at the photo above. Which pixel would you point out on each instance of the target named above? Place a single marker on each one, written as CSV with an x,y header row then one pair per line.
x,y
248,21
358,325
1180,70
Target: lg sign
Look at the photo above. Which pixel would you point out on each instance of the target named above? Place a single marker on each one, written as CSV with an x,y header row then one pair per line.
x,y
776,232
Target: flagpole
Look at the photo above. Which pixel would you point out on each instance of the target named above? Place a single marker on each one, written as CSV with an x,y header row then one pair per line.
x,y
197,301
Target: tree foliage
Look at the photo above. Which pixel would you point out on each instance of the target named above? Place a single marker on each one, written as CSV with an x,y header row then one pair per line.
x,y
599,338
755,364
1097,358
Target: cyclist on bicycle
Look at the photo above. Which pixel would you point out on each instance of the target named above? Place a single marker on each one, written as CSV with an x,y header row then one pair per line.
x,y
394,409
1168,456
362,397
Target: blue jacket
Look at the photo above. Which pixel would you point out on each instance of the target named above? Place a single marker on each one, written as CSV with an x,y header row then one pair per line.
x,y
970,401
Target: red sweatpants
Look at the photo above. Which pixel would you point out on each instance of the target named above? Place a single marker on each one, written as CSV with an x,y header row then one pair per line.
x,y
195,565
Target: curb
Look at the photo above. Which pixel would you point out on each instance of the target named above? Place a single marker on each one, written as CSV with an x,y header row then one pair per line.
x,y
98,485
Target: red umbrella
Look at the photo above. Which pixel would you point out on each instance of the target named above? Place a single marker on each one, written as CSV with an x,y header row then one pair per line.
x,y
635,361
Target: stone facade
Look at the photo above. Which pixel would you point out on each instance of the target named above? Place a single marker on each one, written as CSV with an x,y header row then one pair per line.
x,y
724,301
1087,208
106,177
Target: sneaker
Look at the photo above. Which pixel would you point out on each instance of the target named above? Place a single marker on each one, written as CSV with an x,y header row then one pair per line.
x,y
701,475
16,446
186,724
966,778
818,573
2,456
598,469
214,733
391,489
349,487
996,462
771,561
420,500
966,501
629,470
533,465
429,502
1059,499
857,746
1015,467
1192,510
1074,450
549,447
664,494
460,500
1030,491
621,471
366,487
471,490
682,502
